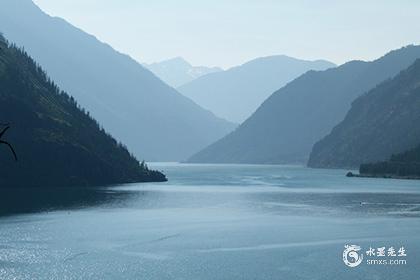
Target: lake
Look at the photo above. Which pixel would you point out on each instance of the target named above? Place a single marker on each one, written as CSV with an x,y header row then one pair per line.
x,y
213,222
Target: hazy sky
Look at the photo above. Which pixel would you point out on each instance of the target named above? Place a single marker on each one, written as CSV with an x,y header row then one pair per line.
x,y
230,32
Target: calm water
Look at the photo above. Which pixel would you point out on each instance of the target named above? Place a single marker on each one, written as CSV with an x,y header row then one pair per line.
x,y
212,222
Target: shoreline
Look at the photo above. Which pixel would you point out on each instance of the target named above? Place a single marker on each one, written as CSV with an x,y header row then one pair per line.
x,y
383,176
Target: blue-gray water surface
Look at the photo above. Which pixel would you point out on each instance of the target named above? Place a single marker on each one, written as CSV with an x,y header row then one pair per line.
x,y
213,222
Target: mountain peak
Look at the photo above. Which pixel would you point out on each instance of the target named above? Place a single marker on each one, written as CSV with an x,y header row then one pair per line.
x,y
177,61
246,86
177,71
287,125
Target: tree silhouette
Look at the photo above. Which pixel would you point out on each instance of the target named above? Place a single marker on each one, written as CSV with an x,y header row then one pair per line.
x,y
5,142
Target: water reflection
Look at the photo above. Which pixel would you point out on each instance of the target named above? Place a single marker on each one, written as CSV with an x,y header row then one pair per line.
x,y
17,201
265,222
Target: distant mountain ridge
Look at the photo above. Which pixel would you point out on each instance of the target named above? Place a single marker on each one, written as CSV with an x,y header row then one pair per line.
x,y
246,86
177,71
151,118
380,123
58,144
293,119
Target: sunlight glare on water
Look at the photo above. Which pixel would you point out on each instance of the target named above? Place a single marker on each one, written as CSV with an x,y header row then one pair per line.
x,y
212,222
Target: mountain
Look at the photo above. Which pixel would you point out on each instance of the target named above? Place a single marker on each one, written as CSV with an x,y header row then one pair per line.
x,y
245,87
403,165
293,119
151,118
380,123
177,71
57,143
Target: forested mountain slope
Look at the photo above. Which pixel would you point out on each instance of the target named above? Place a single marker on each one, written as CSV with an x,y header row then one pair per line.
x,y
151,118
383,122
57,143
287,125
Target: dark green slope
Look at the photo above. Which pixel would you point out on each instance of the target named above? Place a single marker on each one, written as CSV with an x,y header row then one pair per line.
x,y
57,143
404,165
155,121
383,122
287,125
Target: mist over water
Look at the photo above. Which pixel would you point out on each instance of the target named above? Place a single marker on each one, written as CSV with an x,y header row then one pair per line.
x,y
212,222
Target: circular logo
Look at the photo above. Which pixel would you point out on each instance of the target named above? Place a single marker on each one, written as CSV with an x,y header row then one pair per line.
x,y
351,256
